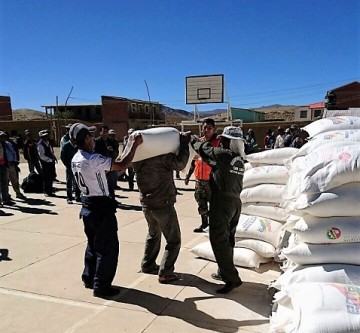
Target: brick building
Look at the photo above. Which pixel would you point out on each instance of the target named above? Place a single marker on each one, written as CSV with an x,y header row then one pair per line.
x,y
344,97
5,108
118,113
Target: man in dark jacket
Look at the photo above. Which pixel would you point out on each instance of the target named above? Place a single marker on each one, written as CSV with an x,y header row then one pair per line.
x,y
68,151
103,147
157,196
47,160
31,153
227,163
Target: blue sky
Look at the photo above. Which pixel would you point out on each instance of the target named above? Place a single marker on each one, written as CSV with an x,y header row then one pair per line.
x,y
270,51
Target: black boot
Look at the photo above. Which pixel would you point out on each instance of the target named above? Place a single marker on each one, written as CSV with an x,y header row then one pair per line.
x,y
204,224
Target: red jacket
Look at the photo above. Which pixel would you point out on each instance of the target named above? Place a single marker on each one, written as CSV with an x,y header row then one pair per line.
x,y
202,170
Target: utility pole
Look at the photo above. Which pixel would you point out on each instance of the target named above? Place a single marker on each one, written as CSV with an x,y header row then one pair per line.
x,y
152,109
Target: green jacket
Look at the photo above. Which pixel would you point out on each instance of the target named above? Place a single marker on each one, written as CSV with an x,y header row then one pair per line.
x,y
227,169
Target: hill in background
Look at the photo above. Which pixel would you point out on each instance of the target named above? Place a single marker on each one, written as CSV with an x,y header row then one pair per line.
x,y
272,112
28,114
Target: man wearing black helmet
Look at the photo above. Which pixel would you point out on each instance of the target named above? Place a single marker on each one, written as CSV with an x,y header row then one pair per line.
x,y
98,209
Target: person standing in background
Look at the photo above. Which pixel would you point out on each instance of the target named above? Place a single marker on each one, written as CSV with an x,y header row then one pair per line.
x,y
4,180
65,138
103,147
66,154
13,156
47,160
30,153
202,174
269,139
130,169
279,142
250,142
113,152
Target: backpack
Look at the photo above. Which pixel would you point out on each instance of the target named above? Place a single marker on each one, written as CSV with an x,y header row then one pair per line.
x,y
33,183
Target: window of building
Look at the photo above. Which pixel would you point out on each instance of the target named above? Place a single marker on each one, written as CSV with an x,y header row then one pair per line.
x,y
303,114
133,107
317,113
139,107
146,109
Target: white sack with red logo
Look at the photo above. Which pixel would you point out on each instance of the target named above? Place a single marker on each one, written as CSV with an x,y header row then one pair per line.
x,y
336,229
260,228
332,124
331,167
307,254
311,307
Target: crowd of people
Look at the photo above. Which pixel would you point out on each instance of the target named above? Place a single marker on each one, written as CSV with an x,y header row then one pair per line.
x,y
94,165
289,137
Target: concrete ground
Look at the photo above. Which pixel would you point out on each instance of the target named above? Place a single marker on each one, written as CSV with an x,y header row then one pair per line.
x,y
41,260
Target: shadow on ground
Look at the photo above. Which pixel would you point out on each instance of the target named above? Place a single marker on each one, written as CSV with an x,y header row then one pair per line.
x,y
4,255
184,310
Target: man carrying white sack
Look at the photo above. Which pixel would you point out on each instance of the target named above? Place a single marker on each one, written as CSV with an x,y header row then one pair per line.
x,y
155,181
227,164
98,209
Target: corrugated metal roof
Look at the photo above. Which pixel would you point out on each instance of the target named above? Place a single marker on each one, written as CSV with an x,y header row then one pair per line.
x,y
354,112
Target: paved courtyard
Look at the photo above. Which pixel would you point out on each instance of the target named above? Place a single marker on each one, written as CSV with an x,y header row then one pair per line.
x,y
42,245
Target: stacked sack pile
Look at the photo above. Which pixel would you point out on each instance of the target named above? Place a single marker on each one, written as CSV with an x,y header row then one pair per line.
x,y
320,288
259,231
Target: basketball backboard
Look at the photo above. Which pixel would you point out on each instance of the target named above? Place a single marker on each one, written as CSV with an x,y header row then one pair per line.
x,y
205,89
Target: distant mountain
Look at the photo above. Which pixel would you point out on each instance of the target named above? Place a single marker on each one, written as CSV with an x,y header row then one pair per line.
x,y
176,112
28,114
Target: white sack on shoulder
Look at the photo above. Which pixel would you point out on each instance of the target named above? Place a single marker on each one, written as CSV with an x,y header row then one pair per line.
x,y
266,174
332,124
156,141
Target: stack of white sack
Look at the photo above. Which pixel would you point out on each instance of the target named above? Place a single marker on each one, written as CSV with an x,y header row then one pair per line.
x,y
158,141
323,253
262,218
